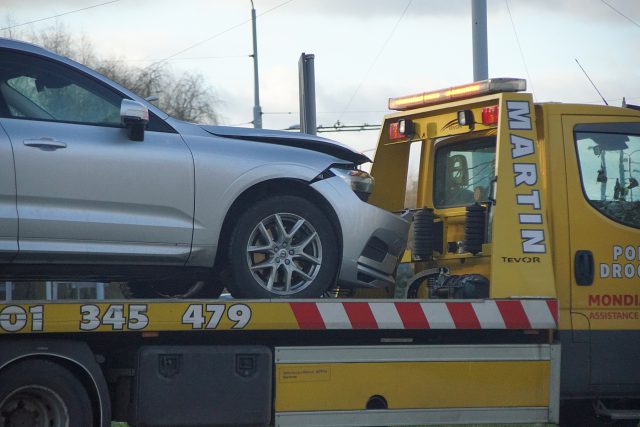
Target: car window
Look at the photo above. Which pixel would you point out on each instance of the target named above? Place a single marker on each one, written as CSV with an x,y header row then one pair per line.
x,y
464,172
35,88
610,170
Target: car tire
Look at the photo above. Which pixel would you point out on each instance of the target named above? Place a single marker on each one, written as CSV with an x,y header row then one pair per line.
x,y
283,247
180,289
43,393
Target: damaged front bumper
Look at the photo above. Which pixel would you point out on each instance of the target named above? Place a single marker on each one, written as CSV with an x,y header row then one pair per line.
x,y
373,240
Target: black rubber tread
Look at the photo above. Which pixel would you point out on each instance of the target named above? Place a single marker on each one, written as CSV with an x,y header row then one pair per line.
x,y
55,377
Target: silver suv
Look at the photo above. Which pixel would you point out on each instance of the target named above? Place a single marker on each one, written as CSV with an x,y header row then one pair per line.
x,y
95,182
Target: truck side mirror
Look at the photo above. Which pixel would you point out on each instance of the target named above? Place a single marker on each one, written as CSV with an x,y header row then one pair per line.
x,y
134,116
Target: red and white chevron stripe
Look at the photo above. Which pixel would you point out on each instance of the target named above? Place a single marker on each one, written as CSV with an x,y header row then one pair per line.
x,y
489,314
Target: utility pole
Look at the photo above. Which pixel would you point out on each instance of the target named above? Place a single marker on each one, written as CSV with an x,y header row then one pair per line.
x,y
479,36
307,84
257,110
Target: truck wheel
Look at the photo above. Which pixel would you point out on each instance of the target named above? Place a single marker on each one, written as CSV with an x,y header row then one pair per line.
x,y
283,247
41,393
172,289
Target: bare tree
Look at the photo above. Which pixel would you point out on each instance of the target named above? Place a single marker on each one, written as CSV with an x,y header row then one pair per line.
x,y
185,96
189,103
57,39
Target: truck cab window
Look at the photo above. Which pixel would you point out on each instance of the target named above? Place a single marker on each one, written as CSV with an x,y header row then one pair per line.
x,y
610,173
464,172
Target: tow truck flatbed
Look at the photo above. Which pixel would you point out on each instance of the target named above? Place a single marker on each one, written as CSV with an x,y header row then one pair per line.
x,y
290,363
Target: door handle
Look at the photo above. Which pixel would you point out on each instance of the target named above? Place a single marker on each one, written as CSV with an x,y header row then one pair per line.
x,y
583,267
45,144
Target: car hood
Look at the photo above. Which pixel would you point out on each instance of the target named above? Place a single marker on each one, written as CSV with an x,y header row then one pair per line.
x,y
291,139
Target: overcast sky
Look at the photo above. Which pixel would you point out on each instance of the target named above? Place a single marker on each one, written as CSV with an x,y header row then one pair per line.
x,y
365,50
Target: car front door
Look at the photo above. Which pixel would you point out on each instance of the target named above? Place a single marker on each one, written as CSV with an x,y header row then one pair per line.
x,y
8,212
86,193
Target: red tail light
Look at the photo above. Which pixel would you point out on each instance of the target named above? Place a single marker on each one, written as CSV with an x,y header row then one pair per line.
x,y
490,115
401,129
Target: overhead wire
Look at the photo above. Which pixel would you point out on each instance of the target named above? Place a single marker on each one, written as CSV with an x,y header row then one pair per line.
x,y
620,13
241,124
524,62
184,59
375,60
328,112
611,100
233,27
583,70
58,15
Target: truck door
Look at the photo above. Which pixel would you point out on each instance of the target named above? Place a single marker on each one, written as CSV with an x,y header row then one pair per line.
x,y
8,212
602,156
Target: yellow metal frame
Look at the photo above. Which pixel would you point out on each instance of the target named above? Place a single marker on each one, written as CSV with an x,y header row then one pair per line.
x,y
417,384
519,259
410,385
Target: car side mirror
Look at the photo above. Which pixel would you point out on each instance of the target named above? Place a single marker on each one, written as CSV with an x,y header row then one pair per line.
x,y
134,116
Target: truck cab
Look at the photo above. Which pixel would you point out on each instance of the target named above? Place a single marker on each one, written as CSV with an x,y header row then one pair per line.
x,y
517,199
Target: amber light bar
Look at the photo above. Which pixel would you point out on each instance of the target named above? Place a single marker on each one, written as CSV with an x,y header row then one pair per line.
x,y
484,87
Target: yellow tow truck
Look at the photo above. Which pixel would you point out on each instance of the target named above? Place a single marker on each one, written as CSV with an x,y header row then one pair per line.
x,y
517,199
510,271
